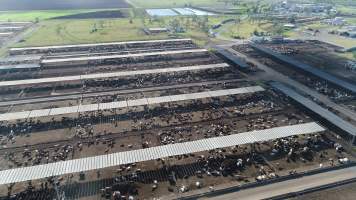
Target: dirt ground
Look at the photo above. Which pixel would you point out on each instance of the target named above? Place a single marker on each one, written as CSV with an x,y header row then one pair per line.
x,y
45,140
278,165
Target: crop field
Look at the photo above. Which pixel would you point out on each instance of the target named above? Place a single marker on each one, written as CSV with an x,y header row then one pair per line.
x,y
41,14
62,4
61,14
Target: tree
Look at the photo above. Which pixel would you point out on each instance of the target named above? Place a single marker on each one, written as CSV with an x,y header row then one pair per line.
x,y
187,23
278,29
175,25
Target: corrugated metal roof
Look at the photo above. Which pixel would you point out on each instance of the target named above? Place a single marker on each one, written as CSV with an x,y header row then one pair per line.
x,y
104,161
96,45
63,110
39,113
11,27
315,71
88,107
6,33
128,103
326,114
19,66
108,57
14,115
110,75
233,58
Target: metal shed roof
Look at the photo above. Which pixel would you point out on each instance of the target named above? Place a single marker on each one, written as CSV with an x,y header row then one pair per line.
x,y
108,57
19,66
14,116
63,110
109,75
315,71
158,100
233,58
88,107
128,103
326,114
140,155
97,44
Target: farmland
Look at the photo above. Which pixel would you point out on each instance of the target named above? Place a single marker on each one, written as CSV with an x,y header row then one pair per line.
x,y
41,14
172,3
57,32
59,5
167,102
244,29
174,99
324,34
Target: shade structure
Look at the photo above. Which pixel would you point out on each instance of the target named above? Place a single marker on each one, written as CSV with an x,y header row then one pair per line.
x,y
68,47
126,103
140,155
63,61
110,75
307,68
316,108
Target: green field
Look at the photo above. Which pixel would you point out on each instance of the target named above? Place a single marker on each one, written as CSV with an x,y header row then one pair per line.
x,y
57,32
244,29
346,9
324,35
351,21
40,15
173,3
77,31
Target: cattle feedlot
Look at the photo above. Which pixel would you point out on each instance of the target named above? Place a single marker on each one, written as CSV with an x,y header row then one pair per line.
x,y
181,100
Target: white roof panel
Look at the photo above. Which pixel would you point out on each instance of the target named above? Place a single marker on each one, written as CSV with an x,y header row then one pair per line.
x,y
178,97
39,113
88,107
137,102
108,57
218,93
14,116
96,44
63,110
108,75
128,103
157,100
198,95
112,105
97,162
